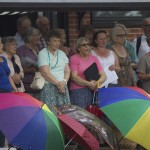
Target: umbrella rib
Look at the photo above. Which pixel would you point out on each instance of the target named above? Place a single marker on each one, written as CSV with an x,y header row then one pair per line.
x,y
70,140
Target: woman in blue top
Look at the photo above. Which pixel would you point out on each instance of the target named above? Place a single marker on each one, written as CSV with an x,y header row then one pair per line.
x,y
6,82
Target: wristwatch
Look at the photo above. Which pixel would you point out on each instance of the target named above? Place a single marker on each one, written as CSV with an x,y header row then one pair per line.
x,y
65,80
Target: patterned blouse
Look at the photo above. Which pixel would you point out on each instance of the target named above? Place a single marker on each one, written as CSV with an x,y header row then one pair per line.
x,y
125,75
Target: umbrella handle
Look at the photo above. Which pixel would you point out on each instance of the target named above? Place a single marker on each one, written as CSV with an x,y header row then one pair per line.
x,y
70,140
93,98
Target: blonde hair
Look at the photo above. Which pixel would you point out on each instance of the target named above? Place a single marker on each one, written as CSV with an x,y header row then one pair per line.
x,y
114,30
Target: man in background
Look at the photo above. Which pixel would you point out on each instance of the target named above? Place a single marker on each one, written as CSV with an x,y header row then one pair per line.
x,y
23,23
43,25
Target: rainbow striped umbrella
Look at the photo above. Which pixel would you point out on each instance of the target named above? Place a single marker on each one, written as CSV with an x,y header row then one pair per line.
x,y
129,109
28,123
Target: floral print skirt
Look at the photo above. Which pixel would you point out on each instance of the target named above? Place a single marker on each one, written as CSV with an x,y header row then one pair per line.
x,y
52,97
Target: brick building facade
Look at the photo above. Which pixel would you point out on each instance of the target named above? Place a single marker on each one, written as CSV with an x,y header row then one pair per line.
x,y
73,27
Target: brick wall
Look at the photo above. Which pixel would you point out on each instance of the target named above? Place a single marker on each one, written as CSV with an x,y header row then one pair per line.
x,y
73,27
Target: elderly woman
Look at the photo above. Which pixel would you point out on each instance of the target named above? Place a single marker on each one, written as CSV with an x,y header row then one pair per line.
x,y
13,61
6,82
81,90
125,75
53,64
28,54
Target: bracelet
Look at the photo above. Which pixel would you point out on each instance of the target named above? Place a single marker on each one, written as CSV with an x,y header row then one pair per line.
x,y
65,80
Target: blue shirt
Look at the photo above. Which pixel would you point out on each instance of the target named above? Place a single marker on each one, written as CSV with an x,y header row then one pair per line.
x,y
4,80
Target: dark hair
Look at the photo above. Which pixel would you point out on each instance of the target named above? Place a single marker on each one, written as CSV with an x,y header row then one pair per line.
x,y
53,33
96,35
84,29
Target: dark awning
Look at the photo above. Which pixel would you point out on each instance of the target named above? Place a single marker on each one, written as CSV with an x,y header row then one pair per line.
x,y
77,5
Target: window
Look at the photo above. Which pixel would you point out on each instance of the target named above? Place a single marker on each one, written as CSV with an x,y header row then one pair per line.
x,y
108,18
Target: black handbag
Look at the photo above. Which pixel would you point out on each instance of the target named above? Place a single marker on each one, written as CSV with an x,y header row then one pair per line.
x,y
92,73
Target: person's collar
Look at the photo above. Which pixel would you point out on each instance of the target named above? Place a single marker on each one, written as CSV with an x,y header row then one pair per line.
x,y
144,36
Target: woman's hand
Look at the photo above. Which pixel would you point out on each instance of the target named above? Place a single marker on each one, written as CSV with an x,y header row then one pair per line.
x,y
92,84
61,86
16,78
112,67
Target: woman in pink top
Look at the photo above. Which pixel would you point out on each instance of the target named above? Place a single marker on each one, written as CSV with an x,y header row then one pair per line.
x,y
81,90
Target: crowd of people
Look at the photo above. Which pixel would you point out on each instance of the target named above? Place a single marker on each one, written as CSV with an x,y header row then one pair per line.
x,y
44,49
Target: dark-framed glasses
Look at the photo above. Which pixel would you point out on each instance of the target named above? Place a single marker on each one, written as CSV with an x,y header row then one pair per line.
x,y
121,35
85,44
147,25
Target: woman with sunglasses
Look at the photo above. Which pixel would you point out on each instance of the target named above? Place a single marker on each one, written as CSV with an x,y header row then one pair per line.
x,y
81,90
126,76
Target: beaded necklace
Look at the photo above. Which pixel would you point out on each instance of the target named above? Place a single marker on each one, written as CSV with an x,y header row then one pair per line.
x,y
54,66
35,52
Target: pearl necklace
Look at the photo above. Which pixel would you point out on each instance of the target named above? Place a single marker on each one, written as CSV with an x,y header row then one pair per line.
x,y
35,52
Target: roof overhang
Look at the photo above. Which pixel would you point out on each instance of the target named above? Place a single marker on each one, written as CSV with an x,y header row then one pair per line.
x,y
78,5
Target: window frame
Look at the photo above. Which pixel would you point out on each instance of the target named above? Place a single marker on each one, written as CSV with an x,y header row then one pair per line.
x,y
110,21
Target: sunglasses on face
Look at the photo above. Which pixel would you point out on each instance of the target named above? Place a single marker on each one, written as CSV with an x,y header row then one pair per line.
x,y
121,35
85,44
147,25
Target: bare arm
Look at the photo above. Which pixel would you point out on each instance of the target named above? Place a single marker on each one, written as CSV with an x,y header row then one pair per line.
x,y
12,83
102,77
48,75
116,65
82,82
67,72
143,76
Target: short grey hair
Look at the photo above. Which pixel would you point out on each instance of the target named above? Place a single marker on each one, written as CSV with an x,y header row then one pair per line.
x,y
40,19
79,42
145,20
21,20
7,40
27,36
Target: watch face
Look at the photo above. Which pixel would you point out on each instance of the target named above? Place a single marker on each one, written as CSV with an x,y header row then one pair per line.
x,y
65,80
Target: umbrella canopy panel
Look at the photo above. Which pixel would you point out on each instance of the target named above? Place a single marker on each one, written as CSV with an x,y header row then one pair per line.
x,y
28,123
129,109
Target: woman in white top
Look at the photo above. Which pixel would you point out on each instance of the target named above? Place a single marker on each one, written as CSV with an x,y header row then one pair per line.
x,y
107,58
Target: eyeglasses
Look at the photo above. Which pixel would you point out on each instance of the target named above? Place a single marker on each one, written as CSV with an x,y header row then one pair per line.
x,y
147,25
121,35
85,44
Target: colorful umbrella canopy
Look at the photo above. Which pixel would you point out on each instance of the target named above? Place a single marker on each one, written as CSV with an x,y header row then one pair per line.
x,y
77,132
129,109
28,123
